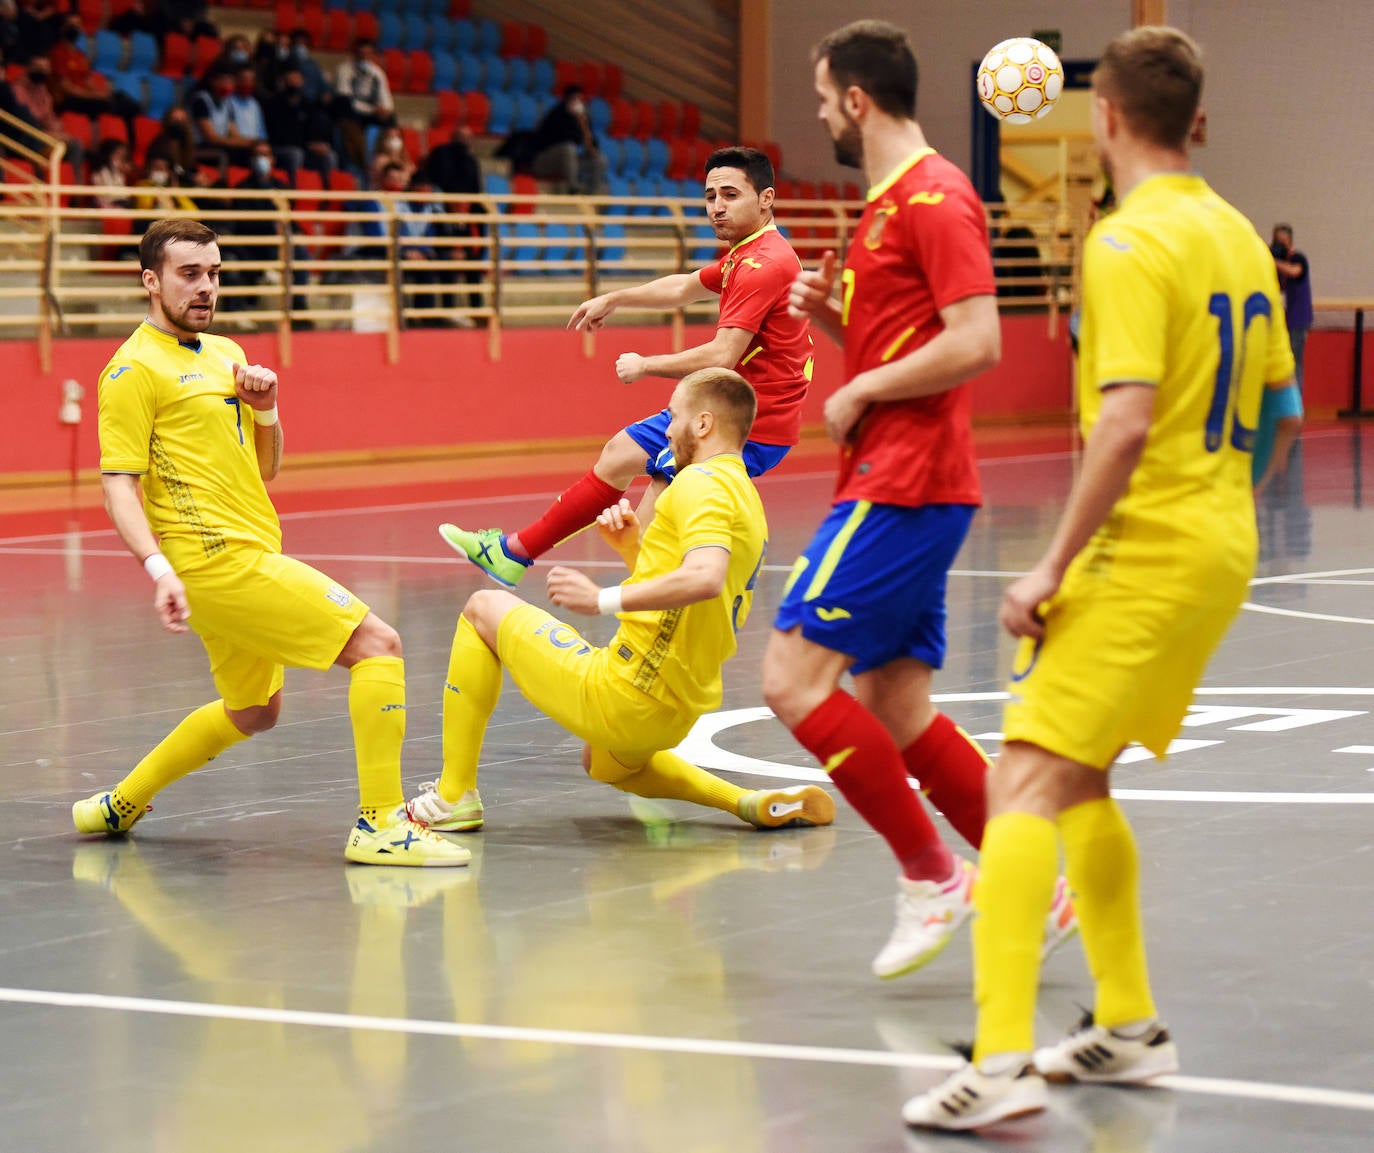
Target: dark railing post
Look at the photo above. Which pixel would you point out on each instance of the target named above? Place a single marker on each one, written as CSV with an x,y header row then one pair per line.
x,y
1357,409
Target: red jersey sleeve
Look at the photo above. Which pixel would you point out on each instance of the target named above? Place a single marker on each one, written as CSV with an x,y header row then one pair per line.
x,y
950,239
712,276
753,291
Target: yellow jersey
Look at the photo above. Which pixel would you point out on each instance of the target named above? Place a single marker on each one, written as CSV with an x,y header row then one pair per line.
x,y
1180,293
675,655
168,413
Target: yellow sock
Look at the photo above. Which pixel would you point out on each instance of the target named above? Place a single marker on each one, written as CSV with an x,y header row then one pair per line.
x,y
1016,876
204,734
471,690
667,776
377,707
1104,874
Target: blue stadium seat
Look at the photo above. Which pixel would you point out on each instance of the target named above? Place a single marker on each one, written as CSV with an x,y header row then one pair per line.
x,y
542,76
706,252
644,187
440,34
617,188
607,251
488,37
493,73
363,5
469,73
445,71
414,32
631,157
502,112
390,30
142,52
526,112
610,148
129,83
599,115
497,184
107,51
517,74
514,256
335,4
655,156
162,94
559,246
464,36
412,7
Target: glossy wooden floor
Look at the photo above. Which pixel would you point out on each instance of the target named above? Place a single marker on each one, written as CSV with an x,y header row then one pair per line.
x,y
607,977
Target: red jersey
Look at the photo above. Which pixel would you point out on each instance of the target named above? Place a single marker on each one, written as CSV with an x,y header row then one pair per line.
x,y
920,246
753,280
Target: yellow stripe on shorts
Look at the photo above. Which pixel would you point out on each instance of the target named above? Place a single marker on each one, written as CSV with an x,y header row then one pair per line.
x,y
831,561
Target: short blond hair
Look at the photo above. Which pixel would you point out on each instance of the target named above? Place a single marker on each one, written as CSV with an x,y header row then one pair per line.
x,y
1153,75
725,395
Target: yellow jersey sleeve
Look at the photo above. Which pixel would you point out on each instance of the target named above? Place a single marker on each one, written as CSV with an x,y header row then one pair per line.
x,y
705,509
127,404
1126,292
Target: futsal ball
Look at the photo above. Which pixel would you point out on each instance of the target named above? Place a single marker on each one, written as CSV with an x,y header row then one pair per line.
x,y
1019,80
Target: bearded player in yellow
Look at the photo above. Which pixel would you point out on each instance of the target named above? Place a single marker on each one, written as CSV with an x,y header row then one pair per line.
x,y
692,576
1182,332
189,435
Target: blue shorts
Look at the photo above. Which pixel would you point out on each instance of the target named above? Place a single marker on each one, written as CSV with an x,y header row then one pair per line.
x,y
652,436
1276,404
871,584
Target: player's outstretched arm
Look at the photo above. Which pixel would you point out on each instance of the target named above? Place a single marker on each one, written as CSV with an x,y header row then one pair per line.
x,y
124,503
724,350
700,577
666,292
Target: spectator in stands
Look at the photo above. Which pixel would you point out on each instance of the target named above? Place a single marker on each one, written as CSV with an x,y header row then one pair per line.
x,y
390,149
219,139
417,232
299,128
176,143
9,102
245,112
33,90
260,178
76,87
268,57
565,147
38,25
1295,278
189,17
362,97
11,38
164,196
112,168
235,53
132,19
453,169
299,55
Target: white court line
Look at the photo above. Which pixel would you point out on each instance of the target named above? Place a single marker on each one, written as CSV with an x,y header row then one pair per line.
x,y
1304,614
749,1050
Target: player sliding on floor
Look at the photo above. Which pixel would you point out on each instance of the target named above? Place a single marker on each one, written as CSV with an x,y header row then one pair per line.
x,y
692,576
756,336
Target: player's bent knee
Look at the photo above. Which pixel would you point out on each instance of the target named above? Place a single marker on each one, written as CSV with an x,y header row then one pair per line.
x,y
256,718
602,766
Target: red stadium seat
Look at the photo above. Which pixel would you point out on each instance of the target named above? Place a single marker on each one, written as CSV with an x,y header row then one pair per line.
x,y
440,134
523,184
419,71
450,108
204,49
701,150
512,38
236,175
564,73
337,33
394,65
829,190
176,55
414,142
645,116
478,110
536,41
773,151
308,180
786,189
146,129
806,190
668,111
459,9
680,159
92,13
612,80
111,127
852,191
78,125
366,26
589,75
287,17
344,182
622,118
689,123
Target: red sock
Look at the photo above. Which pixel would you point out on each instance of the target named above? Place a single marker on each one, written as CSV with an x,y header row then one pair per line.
x,y
866,766
953,773
578,507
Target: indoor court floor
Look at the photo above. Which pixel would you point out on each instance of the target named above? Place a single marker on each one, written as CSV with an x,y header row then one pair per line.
x,y
613,977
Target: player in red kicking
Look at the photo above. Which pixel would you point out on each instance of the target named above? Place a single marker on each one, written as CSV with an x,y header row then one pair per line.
x,y
756,336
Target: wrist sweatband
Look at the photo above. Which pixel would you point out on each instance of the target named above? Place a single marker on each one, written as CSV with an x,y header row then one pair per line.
x,y
265,419
156,565
608,601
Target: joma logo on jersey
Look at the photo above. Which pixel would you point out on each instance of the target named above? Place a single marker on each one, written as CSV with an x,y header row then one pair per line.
x,y
187,377
118,372
339,596
874,237
927,198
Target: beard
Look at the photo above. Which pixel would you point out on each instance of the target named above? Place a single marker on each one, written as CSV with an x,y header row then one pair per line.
x,y
849,145
684,451
190,321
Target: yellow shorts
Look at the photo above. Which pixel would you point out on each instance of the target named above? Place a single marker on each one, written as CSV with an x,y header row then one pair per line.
x,y
258,611
1114,666
571,681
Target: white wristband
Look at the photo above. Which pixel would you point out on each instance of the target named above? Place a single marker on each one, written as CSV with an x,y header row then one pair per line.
x,y
265,419
608,601
156,565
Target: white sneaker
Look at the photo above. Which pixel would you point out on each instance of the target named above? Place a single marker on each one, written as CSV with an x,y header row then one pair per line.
x,y
970,1099
928,916
431,810
1094,1054
1061,922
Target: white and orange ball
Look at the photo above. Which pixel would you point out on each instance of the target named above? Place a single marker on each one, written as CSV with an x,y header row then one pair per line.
x,y
1020,79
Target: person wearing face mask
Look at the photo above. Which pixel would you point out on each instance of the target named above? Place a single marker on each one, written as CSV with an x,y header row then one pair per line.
x,y
161,194
260,178
565,147
176,142
111,169
390,150
33,92
76,87
362,97
245,113
314,86
299,128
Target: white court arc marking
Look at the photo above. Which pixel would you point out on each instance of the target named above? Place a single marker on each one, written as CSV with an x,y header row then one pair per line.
x,y
749,1050
700,748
